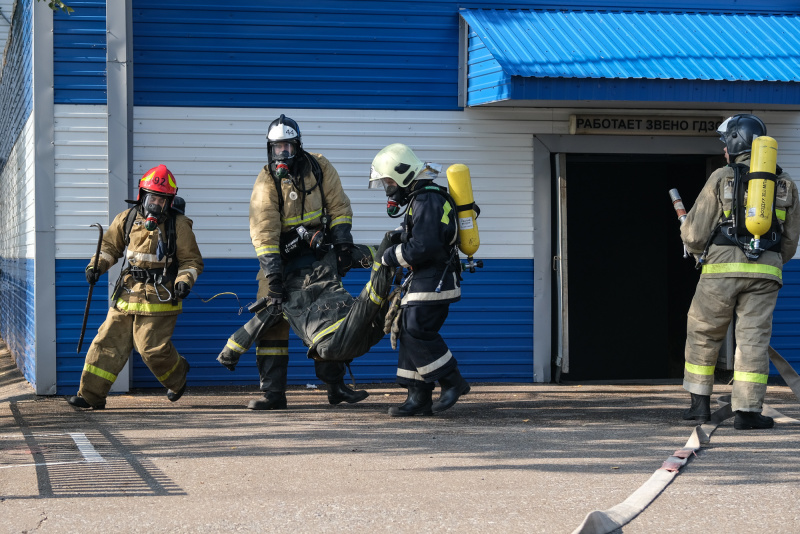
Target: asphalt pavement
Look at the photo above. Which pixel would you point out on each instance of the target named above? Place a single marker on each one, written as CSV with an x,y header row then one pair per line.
x,y
507,458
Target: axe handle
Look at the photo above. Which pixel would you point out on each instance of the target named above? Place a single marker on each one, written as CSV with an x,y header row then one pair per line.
x,y
91,288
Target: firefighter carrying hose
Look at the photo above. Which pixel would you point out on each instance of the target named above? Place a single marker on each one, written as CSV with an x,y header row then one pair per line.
x,y
426,248
298,211
741,272
163,263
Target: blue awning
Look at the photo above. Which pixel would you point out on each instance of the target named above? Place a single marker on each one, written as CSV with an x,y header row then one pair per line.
x,y
633,56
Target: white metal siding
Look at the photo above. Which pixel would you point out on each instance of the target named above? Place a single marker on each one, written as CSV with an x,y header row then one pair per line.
x,y
17,226
81,178
216,154
5,8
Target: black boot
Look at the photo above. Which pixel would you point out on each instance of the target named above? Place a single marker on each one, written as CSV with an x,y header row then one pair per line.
x,y
273,400
80,402
418,402
751,420
700,410
175,395
453,386
339,392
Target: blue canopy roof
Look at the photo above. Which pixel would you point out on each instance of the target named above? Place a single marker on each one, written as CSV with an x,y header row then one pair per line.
x,y
758,49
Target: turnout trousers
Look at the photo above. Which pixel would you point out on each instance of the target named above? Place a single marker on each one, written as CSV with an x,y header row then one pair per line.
x,y
272,355
116,338
424,356
714,303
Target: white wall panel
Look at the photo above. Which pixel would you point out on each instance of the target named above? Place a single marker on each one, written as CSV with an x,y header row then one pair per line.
x,y
81,178
6,7
216,154
17,224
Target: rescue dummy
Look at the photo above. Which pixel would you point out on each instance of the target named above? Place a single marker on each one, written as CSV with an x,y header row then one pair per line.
x,y
162,263
741,271
426,248
299,212
333,325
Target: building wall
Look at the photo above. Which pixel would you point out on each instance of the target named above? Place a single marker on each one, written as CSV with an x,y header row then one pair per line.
x,y
16,84
6,12
216,153
17,228
17,239
357,75
79,53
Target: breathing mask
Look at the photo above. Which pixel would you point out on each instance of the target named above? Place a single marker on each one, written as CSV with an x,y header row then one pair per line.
x,y
154,207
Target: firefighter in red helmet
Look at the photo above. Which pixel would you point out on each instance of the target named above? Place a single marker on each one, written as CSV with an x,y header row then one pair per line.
x,y
162,263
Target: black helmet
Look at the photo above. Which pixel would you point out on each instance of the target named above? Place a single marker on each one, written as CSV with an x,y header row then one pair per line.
x,y
284,143
738,132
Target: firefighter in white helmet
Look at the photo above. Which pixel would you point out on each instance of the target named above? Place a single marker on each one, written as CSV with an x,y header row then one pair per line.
x,y
163,263
426,247
736,278
298,208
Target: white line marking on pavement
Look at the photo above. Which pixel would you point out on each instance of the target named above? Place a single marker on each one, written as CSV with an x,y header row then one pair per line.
x,y
87,450
47,464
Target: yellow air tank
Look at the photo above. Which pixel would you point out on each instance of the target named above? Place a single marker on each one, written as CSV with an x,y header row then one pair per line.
x,y
761,191
460,186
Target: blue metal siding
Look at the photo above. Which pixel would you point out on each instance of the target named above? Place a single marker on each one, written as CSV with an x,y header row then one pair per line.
x,y
16,84
314,54
79,53
633,56
17,312
786,319
323,54
490,331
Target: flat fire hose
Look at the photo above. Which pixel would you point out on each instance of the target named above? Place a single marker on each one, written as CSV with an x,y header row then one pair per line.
x,y
606,521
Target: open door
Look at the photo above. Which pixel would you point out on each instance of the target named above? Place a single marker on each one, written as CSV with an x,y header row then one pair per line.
x,y
561,267
621,285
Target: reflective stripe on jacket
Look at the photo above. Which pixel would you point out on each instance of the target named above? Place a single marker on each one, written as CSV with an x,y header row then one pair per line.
x,y
138,297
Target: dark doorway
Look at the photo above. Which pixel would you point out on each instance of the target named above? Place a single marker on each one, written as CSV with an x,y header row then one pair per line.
x,y
629,285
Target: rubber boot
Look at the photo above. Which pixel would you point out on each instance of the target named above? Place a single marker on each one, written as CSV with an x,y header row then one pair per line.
x,y
752,420
453,386
700,410
80,402
175,395
339,392
273,400
418,402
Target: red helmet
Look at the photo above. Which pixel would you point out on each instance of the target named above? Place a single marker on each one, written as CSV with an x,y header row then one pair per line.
x,y
158,180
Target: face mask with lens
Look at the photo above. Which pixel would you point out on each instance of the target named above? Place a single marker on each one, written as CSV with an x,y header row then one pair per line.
x,y
153,212
283,154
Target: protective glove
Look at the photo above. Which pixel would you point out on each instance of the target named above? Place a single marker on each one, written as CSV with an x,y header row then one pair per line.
x,y
275,291
396,236
395,331
182,290
344,260
389,258
92,276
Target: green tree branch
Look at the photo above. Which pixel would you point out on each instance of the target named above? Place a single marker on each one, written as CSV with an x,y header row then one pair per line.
x,y
56,5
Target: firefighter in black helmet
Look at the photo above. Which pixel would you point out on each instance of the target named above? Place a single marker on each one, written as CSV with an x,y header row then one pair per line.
x,y
298,208
736,277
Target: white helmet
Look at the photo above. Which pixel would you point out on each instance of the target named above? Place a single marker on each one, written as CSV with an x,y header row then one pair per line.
x,y
395,164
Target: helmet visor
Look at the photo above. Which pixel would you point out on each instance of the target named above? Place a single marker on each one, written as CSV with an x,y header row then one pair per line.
x,y
282,150
378,181
723,129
